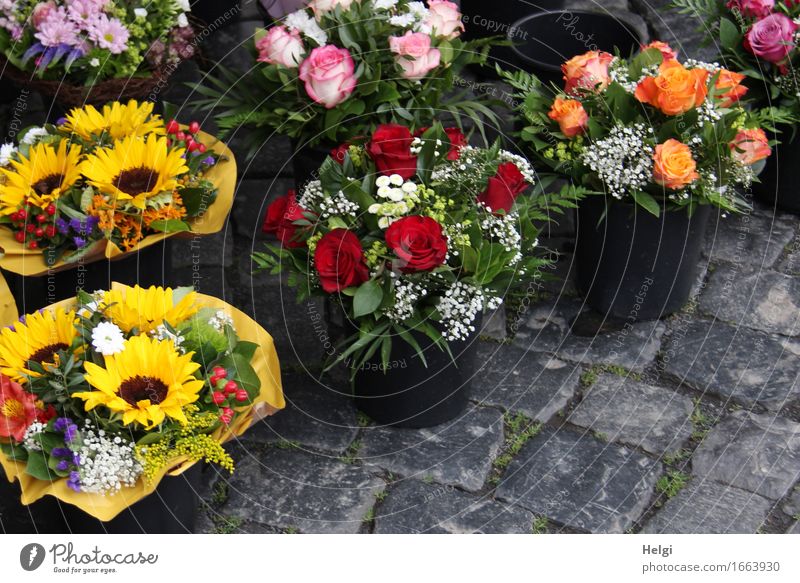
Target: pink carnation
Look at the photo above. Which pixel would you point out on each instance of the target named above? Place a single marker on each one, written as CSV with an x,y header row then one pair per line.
x,y
109,33
83,12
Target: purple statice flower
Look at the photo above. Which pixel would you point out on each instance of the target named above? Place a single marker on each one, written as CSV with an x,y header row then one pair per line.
x,y
209,161
62,226
56,29
61,121
79,242
67,427
62,466
109,33
74,481
61,452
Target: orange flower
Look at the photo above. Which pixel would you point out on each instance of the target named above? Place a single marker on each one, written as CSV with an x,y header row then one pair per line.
x,y
587,71
675,89
667,51
733,83
673,165
570,115
750,146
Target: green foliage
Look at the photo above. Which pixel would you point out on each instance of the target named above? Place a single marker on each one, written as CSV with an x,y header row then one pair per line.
x,y
671,483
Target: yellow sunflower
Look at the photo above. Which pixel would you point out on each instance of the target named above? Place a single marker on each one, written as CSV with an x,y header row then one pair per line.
x,y
40,178
147,381
116,121
145,309
135,169
38,339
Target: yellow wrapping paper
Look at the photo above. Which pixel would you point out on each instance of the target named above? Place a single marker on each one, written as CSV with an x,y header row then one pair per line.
x,y
17,258
105,508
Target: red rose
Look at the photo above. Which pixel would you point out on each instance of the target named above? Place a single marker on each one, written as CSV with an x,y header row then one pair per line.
x,y
340,261
457,141
390,148
339,152
503,188
418,243
280,217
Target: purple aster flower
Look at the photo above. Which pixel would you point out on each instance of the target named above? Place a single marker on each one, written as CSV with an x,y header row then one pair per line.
x,y
79,241
61,121
62,226
109,33
74,481
61,452
209,161
62,423
62,466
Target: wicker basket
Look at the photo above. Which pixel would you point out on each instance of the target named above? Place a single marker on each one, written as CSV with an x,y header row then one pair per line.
x,y
69,95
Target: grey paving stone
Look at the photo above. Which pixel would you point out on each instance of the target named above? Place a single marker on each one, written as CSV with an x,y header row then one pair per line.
x,y
537,385
624,410
317,415
580,482
745,365
494,324
679,30
203,251
251,200
458,453
758,453
415,507
765,300
554,327
271,158
749,238
792,505
794,529
296,489
707,507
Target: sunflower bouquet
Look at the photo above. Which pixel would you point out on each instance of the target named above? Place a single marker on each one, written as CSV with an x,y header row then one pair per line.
x,y
651,130
87,41
110,390
99,176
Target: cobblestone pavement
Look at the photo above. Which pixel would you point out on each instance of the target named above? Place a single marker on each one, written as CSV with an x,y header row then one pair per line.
x,y
690,424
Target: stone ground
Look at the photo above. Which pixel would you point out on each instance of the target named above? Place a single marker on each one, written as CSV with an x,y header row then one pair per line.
x,y
686,425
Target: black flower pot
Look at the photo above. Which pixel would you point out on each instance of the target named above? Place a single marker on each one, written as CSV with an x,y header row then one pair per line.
x,y
150,266
777,186
306,161
633,265
411,395
547,39
482,21
171,509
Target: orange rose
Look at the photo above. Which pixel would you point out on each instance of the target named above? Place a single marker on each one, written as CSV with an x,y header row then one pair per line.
x,y
675,90
750,146
570,115
667,51
732,82
588,71
673,165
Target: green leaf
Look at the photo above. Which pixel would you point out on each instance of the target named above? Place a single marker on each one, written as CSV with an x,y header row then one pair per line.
x,y
170,226
367,299
38,468
14,452
243,371
149,438
729,35
246,349
647,202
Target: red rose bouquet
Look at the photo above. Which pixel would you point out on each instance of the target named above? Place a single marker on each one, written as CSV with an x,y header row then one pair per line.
x,y
409,231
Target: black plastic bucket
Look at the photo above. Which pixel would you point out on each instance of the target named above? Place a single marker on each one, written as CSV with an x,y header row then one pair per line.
x,y
482,20
547,39
150,266
412,395
632,265
777,185
171,509
215,14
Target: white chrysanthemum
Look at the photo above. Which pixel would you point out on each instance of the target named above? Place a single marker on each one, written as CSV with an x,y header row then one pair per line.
x,y
6,152
108,339
384,4
303,22
402,20
184,5
140,12
33,135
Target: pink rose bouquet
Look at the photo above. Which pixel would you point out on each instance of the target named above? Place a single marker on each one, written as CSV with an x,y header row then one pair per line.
x,y
336,69
86,41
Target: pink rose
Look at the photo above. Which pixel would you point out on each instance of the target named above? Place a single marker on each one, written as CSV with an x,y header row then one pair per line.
x,y
414,54
329,75
752,8
444,18
41,13
771,38
321,6
280,46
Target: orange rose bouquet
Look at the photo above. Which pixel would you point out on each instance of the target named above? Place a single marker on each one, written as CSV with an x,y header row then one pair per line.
x,y
659,132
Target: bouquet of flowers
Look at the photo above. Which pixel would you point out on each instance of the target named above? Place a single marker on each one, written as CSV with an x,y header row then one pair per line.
x,y
113,175
333,70
409,232
88,41
109,391
760,39
651,130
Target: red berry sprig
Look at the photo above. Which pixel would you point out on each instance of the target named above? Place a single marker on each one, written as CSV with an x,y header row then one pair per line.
x,y
226,393
185,138
34,227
